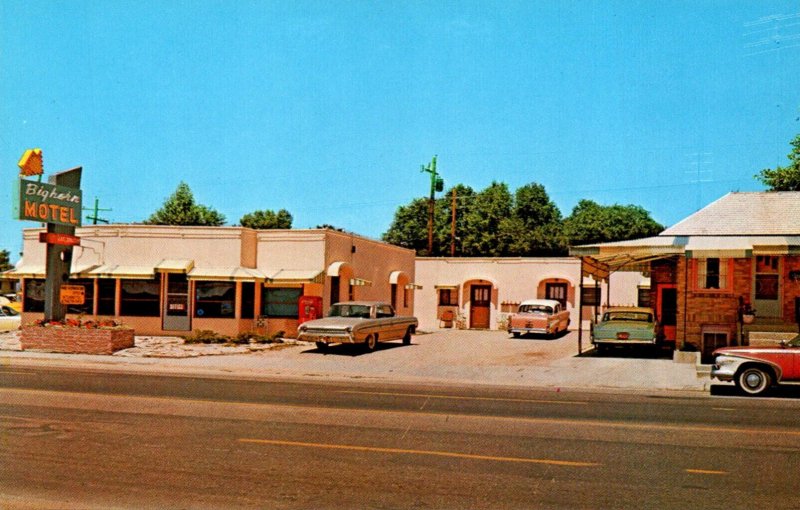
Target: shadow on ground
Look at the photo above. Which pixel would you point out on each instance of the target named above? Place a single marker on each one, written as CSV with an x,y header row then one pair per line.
x,y
729,390
644,352
354,350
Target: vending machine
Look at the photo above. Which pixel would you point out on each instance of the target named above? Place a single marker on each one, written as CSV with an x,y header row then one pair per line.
x,y
310,308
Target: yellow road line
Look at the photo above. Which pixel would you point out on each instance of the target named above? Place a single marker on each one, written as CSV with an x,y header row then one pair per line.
x,y
706,472
375,449
458,397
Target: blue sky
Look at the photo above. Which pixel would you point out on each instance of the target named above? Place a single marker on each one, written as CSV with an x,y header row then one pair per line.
x,y
328,109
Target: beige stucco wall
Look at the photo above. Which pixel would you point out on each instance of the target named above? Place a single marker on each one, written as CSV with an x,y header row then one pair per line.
x,y
513,280
146,245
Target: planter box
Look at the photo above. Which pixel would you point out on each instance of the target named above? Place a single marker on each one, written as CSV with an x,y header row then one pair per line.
x,y
686,357
73,340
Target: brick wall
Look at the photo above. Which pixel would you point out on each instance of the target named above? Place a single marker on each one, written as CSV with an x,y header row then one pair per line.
x,y
76,340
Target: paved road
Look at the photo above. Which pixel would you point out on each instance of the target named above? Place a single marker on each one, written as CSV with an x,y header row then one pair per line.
x,y
74,439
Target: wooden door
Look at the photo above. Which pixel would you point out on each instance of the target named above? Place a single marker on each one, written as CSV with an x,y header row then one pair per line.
x,y
480,305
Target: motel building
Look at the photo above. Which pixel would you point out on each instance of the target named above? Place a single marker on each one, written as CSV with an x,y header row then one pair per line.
x,y
170,280
729,274
481,292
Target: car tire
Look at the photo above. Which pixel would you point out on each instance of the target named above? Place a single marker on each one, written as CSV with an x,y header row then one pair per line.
x,y
371,343
753,380
407,337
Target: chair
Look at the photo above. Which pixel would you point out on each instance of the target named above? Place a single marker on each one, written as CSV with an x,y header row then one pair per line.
x,y
446,317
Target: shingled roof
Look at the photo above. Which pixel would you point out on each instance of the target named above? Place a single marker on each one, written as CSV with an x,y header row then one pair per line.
x,y
762,213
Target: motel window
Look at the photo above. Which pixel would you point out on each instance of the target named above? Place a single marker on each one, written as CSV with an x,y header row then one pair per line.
x,y
140,298
448,297
643,298
215,300
106,295
34,295
557,291
712,274
87,308
591,296
281,302
248,300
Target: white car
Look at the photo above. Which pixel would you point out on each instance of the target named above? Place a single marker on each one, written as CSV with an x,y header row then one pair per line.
x,y
9,318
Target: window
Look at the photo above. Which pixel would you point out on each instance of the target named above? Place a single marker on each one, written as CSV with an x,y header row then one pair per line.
x,y
34,296
590,296
87,308
448,297
106,295
140,298
643,298
281,302
384,311
712,274
215,299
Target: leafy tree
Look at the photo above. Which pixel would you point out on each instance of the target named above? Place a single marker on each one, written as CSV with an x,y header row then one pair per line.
x,y
484,218
181,209
267,219
786,178
409,227
591,223
5,260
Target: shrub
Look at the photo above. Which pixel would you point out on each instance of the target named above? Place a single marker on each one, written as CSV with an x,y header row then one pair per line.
x,y
205,336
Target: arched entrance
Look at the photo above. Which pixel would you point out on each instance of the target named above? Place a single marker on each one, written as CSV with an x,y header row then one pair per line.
x,y
481,295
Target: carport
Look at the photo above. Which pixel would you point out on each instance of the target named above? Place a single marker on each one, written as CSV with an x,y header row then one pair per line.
x,y
599,261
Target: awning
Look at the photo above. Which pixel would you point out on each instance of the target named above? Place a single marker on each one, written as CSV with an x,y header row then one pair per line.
x,y
600,260
335,267
360,282
447,286
24,271
394,277
413,286
295,276
181,266
118,271
226,274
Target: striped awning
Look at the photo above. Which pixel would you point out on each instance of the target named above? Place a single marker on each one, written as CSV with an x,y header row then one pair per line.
x,y
121,271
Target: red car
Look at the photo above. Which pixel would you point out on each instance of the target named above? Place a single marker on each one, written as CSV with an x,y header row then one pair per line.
x,y
755,369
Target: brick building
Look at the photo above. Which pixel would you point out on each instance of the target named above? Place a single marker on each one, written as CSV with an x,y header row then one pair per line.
x,y
736,255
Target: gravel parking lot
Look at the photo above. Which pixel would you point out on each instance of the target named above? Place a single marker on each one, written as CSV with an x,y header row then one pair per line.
x,y
447,356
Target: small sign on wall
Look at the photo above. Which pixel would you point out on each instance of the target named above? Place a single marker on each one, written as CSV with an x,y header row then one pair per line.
x,y
73,295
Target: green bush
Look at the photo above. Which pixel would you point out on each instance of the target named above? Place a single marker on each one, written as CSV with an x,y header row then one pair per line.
x,y
205,336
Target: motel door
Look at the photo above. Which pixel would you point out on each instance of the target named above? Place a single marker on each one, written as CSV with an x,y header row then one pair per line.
x,y
176,307
668,310
480,301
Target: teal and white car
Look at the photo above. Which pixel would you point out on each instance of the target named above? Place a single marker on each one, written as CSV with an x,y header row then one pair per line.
x,y
626,326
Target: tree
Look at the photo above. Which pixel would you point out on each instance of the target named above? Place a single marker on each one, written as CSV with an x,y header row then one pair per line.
x,y
5,260
267,219
592,223
785,178
181,209
484,217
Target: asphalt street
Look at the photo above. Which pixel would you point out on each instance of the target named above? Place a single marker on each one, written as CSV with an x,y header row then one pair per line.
x,y
88,439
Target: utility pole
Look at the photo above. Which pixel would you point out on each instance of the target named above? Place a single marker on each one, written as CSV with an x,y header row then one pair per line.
x,y
437,184
96,209
453,226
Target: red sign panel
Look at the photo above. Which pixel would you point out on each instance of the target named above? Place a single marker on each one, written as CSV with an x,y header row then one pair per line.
x,y
62,239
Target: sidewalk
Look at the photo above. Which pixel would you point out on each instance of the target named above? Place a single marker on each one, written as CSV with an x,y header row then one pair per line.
x,y
445,356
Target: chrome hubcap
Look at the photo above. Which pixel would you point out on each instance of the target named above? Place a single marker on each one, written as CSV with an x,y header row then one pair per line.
x,y
753,380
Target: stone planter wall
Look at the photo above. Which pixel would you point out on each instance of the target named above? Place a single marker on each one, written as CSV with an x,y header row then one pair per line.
x,y
76,340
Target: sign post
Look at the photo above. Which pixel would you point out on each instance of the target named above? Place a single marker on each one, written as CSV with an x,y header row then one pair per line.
x,y
59,256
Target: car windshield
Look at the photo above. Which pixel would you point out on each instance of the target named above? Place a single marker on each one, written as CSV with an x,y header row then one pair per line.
x,y
628,316
535,308
342,310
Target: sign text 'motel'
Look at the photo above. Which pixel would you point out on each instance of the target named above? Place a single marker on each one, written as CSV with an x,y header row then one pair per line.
x,y
49,203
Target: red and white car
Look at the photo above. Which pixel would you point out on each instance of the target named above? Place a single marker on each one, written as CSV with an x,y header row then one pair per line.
x,y
540,316
755,369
